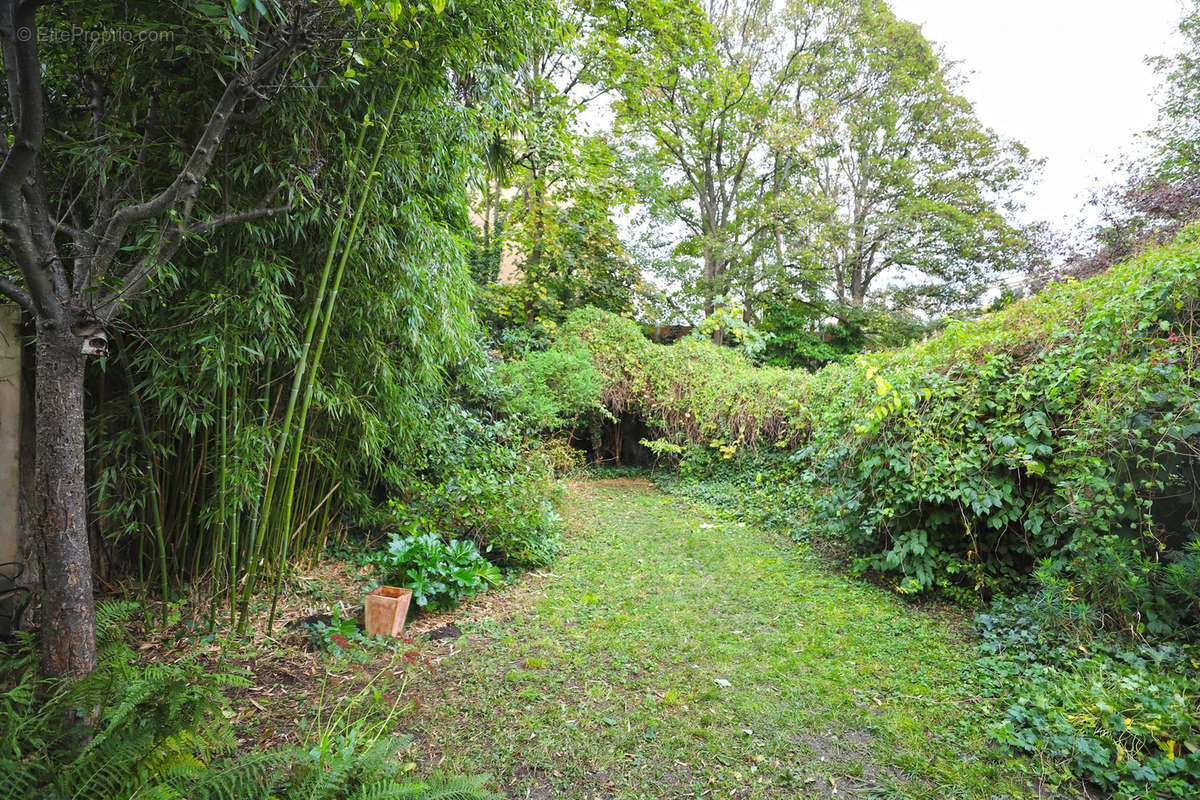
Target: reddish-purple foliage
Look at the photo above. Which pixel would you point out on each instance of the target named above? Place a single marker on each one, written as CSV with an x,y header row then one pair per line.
x,y
1154,213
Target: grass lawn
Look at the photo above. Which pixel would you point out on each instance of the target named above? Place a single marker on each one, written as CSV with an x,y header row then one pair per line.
x,y
668,654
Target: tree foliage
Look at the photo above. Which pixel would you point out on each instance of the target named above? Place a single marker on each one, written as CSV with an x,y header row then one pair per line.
x,y
547,203
212,198
774,147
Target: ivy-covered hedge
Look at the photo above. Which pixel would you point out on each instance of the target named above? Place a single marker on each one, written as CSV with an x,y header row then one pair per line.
x,y
1064,427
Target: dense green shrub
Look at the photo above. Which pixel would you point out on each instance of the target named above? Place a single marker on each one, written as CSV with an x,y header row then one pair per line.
x,y
796,340
440,573
502,499
551,389
486,482
803,335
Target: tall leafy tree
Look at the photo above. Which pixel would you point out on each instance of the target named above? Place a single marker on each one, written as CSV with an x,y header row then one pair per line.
x,y
903,180
548,203
808,143
697,90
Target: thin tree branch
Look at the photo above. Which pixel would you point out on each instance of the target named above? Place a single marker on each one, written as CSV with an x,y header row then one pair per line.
x,y
187,181
9,289
238,216
182,192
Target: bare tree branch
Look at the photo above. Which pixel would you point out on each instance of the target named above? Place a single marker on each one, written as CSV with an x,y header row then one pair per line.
x,y
181,194
9,289
37,211
187,181
238,216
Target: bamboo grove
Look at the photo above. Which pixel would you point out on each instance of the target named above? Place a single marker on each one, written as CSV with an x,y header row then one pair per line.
x,y
281,378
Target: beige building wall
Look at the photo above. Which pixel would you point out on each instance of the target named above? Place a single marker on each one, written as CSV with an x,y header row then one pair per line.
x,y
510,258
10,431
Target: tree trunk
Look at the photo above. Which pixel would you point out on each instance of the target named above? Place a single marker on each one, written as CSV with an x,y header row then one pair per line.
x,y
533,263
710,281
858,287
68,616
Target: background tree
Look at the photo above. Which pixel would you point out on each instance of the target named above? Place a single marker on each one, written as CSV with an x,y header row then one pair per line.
x,y
1176,136
1162,191
906,182
697,87
809,143
548,204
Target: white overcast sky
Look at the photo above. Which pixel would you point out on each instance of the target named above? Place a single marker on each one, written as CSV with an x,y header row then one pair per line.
x,y
1066,77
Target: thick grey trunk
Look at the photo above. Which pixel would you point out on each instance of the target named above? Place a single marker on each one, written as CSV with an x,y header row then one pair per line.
x,y
68,616
858,287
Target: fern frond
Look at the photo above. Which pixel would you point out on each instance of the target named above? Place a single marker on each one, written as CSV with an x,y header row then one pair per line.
x,y
17,780
112,618
160,792
243,778
383,790
459,787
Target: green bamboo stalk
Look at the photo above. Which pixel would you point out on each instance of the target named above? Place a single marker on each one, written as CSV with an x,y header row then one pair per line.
x,y
156,508
190,504
297,381
320,349
234,576
218,545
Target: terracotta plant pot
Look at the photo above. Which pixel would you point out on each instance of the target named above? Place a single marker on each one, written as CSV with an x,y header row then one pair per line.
x,y
385,609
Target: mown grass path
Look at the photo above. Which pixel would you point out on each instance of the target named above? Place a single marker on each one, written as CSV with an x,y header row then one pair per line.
x,y
671,655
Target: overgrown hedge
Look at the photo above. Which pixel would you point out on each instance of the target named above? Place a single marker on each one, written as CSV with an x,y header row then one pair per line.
x,y
1064,427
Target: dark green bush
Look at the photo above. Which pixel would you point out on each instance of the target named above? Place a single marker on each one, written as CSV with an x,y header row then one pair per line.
x,y
487,483
440,573
502,499
551,389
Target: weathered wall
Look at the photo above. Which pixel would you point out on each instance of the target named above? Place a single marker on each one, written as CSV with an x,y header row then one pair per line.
x,y
10,431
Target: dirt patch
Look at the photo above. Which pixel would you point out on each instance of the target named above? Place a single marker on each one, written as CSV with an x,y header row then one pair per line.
x,y
447,631
535,783
577,485
289,679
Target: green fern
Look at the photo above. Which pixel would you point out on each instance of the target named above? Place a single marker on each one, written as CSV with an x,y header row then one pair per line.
x,y
144,742
112,619
451,788
373,772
